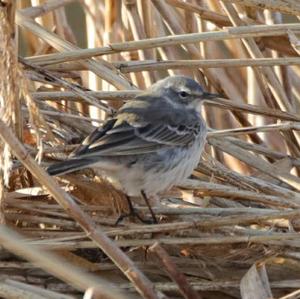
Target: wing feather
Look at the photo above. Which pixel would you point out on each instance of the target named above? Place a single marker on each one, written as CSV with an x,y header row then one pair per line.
x,y
131,140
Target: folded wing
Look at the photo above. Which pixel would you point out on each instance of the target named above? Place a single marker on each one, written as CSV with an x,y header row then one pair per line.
x,y
126,139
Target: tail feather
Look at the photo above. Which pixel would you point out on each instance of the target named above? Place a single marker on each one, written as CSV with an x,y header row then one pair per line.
x,y
68,166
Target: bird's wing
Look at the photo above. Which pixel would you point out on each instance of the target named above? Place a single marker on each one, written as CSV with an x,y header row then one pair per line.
x,y
141,126
116,138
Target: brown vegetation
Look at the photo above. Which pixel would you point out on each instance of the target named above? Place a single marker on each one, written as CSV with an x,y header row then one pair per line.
x,y
231,230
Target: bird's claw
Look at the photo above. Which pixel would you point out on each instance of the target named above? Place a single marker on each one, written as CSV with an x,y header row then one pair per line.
x,y
134,213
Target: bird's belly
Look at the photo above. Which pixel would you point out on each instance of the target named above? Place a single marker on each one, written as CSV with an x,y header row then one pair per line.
x,y
157,172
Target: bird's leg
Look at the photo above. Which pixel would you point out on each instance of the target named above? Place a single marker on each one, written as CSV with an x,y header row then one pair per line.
x,y
149,206
132,212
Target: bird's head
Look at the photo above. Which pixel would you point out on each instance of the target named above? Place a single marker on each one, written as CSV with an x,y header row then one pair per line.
x,y
182,90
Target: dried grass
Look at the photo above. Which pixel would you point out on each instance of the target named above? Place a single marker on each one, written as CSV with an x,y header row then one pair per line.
x,y
231,230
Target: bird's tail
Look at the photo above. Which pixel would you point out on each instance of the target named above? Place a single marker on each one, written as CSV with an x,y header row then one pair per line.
x,y
68,166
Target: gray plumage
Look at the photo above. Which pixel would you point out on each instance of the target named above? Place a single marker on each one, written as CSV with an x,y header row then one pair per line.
x,y
154,142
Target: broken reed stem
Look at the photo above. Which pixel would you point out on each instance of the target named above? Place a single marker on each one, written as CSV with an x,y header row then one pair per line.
x,y
141,282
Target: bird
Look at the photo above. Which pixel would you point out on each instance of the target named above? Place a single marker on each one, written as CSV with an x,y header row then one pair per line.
x,y
152,143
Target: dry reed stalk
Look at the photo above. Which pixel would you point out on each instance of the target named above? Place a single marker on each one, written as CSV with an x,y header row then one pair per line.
x,y
11,289
212,189
228,33
211,223
126,67
126,95
185,288
219,285
9,91
184,241
292,295
204,13
294,41
44,8
290,7
95,38
249,130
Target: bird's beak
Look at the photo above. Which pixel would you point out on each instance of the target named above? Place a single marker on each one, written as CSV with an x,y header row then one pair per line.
x,y
206,97
211,96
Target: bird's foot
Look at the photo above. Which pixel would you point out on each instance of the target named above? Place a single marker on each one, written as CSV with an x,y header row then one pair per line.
x,y
133,213
144,196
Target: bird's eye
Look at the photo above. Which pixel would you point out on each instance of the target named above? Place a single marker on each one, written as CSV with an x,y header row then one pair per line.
x,y
183,94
